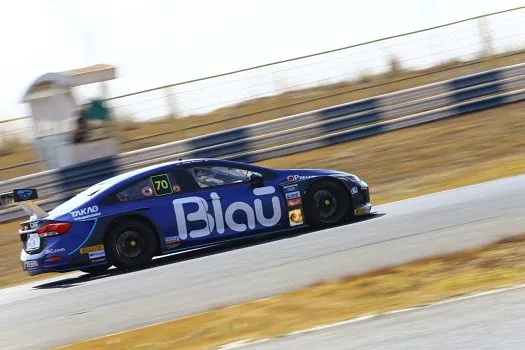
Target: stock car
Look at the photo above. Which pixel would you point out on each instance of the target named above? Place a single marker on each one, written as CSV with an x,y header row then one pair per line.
x,y
128,219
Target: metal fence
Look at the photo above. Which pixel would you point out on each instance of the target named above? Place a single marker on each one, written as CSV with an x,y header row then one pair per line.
x,y
297,133
318,76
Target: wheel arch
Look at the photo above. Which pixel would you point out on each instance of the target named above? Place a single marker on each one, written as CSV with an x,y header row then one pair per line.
x,y
329,179
138,217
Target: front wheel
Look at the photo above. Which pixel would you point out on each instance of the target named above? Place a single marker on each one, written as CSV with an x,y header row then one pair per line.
x,y
131,244
326,203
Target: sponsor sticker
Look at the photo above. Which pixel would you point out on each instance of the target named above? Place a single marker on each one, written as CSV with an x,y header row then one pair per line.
x,y
294,202
172,239
98,260
353,190
291,188
53,251
85,213
292,178
296,217
293,195
30,264
217,218
97,254
91,249
147,191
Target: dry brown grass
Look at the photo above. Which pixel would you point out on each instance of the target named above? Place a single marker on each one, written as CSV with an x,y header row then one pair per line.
x,y
9,146
267,108
427,158
408,285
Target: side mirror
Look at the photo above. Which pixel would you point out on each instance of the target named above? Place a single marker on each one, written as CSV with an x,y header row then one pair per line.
x,y
256,180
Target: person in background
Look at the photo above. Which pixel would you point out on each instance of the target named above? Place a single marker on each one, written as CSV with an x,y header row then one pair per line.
x,y
82,128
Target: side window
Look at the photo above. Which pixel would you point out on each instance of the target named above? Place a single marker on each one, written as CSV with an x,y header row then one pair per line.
x,y
212,176
150,187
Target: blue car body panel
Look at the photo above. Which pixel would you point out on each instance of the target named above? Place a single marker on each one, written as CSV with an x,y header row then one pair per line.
x,y
184,214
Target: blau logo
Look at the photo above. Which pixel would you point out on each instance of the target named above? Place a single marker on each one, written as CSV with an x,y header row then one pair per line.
x,y
222,218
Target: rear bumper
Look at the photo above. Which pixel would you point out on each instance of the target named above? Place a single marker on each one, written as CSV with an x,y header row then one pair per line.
x,y
59,260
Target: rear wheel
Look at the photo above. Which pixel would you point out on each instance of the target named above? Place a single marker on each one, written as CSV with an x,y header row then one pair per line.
x,y
131,244
326,203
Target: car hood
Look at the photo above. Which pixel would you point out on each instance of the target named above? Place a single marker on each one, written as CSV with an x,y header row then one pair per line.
x,y
303,174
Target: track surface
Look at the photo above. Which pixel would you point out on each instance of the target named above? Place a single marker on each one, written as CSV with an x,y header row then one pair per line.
x,y
492,321
52,313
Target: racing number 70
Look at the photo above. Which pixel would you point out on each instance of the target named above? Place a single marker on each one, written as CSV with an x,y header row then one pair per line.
x,y
161,184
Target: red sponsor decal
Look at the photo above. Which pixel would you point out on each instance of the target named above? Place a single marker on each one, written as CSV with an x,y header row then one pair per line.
x,y
294,202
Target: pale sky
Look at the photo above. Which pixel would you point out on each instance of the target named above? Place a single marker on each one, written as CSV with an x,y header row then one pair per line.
x,y
157,42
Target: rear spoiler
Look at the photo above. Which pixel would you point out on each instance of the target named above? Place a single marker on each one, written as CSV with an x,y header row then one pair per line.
x,y
24,198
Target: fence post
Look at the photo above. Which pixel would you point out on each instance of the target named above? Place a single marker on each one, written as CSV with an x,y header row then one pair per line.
x,y
485,38
172,102
173,110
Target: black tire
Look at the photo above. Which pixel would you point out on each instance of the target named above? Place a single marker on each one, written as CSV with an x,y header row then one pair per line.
x,y
326,203
131,244
96,270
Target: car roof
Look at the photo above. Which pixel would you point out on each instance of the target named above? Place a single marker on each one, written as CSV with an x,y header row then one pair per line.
x,y
104,185
132,173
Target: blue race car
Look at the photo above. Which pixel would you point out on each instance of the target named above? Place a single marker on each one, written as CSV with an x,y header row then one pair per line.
x,y
127,220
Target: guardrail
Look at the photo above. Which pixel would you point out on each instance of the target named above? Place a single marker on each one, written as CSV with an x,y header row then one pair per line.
x,y
293,134
306,82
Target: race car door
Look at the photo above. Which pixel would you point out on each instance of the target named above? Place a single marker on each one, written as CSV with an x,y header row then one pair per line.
x,y
235,205
160,196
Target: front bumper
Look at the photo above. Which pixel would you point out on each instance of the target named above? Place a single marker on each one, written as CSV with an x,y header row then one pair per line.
x,y
363,210
360,195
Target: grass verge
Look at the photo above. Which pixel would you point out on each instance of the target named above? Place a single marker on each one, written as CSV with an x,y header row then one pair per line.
x,y
401,164
403,286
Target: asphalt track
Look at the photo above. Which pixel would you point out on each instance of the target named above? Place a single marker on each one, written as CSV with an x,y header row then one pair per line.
x,y
493,321
49,313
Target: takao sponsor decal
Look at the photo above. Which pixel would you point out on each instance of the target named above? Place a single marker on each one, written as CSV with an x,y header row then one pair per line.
x,y
85,213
